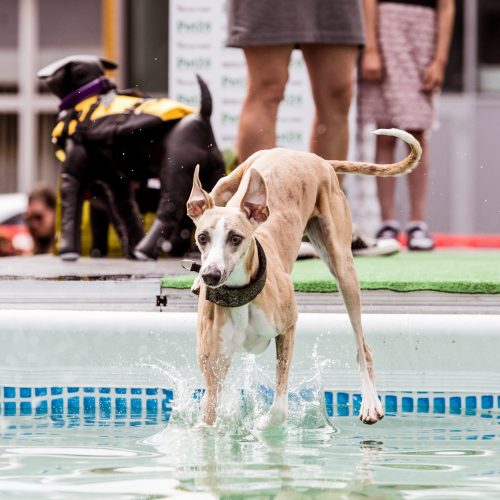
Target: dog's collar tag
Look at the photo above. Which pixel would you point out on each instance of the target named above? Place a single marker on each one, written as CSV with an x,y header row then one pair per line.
x,y
226,296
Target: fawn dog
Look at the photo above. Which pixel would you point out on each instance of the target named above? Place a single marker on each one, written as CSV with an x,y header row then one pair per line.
x,y
249,229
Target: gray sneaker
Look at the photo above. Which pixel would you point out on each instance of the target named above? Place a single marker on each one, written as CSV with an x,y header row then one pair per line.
x,y
389,230
419,238
362,245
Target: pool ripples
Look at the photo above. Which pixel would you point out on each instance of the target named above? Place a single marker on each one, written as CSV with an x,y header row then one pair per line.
x,y
400,457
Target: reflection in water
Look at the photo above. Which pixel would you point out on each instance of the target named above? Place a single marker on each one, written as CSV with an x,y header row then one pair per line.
x,y
407,455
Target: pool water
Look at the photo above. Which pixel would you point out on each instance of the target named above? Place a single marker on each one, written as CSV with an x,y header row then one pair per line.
x,y
407,455
92,412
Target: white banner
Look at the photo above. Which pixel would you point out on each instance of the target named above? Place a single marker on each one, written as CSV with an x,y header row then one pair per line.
x,y
197,44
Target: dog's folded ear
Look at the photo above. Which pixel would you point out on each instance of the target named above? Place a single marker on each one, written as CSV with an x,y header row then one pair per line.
x,y
254,202
199,200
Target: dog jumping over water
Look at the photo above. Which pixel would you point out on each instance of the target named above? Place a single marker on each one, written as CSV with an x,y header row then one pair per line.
x,y
248,230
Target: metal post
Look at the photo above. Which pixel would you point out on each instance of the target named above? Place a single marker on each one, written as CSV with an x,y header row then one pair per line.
x,y
27,50
470,46
112,35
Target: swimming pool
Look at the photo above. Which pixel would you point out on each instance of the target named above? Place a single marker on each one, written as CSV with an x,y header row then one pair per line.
x,y
86,397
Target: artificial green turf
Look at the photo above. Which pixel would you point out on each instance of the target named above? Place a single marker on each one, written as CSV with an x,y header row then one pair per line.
x,y
442,271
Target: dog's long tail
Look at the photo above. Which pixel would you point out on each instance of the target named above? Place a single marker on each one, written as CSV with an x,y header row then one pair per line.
x,y
206,98
392,169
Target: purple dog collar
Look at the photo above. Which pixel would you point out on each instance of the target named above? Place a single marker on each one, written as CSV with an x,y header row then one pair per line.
x,y
100,85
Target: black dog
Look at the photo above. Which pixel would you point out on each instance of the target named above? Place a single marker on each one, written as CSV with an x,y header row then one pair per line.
x,y
110,141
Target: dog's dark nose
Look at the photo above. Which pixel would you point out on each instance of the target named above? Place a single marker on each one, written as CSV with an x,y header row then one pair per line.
x,y
211,277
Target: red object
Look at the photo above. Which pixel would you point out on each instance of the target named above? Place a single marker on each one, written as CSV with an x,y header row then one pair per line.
x,y
444,240
9,231
15,240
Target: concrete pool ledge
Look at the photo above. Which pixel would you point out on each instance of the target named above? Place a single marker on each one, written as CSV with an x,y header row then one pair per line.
x,y
413,352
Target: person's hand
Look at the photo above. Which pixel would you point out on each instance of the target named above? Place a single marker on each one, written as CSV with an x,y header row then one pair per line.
x,y
433,76
371,66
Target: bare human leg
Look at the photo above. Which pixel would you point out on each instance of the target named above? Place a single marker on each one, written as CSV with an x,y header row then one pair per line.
x,y
267,77
331,72
386,187
417,181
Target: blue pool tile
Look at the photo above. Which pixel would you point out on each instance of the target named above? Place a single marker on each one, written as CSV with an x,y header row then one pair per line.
x,y
152,391
74,405
439,405
40,391
455,404
25,392
470,402
152,406
42,408
356,404
89,389
105,407
391,404
89,405
498,402
136,390
57,406
9,408
407,404
342,398
56,391
487,402
104,390
121,390
329,403
25,408
135,406
73,389
423,405
343,404
120,406
9,392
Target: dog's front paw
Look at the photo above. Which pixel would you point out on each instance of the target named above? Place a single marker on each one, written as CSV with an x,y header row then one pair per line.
x,y
275,418
371,411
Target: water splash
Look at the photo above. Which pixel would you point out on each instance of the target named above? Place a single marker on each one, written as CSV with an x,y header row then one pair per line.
x,y
248,395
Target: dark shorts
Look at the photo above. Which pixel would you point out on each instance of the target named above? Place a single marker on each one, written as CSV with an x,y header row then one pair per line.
x,y
295,22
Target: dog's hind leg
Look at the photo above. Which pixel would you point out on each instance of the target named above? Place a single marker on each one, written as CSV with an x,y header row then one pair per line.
x,y
330,234
279,410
